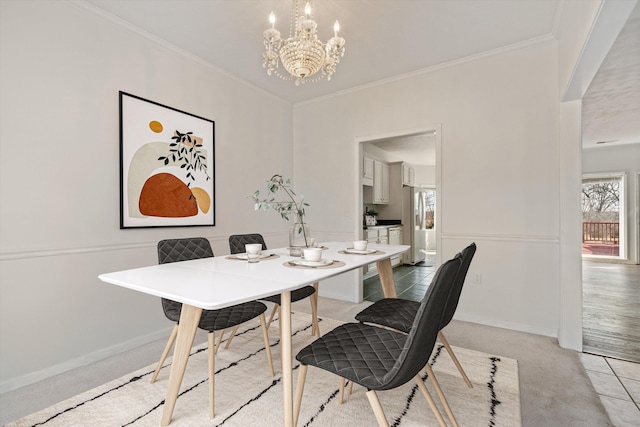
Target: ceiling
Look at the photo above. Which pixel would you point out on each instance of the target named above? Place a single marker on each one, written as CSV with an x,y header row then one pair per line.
x,y
419,149
384,39
611,105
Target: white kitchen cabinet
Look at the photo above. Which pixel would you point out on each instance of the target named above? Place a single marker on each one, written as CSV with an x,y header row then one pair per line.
x,y
408,175
381,236
380,183
367,167
395,238
378,235
367,172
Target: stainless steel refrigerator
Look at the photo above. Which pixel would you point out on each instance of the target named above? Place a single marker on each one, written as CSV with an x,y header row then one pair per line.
x,y
418,209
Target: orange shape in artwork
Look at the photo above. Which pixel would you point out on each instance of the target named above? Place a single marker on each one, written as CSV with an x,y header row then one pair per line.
x,y
202,198
155,126
164,195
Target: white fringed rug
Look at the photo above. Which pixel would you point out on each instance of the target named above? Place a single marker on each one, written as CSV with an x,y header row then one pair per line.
x,y
246,394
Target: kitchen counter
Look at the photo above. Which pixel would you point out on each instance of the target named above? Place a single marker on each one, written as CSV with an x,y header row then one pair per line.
x,y
385,234
384,223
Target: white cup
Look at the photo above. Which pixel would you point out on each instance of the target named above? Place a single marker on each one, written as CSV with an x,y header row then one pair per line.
x,y
312,254
360,245
253,251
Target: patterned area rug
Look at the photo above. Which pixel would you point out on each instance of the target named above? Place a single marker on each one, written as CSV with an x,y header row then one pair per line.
x,y
246,394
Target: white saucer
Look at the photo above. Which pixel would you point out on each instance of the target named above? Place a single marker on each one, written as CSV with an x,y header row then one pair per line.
x,y
262,256
355,251
321,263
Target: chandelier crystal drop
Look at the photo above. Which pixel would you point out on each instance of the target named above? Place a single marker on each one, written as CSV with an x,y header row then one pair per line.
x,y
302,54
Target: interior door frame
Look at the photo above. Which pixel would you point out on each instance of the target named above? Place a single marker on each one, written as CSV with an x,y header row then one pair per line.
x,y
427,128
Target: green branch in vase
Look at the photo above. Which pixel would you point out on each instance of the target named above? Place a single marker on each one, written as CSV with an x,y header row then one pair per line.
x,y
284,208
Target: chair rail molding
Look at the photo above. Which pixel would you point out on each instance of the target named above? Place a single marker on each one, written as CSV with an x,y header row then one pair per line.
x,y
524,238
107,247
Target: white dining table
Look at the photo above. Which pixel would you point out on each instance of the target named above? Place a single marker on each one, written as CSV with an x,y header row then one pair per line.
x,y
219,282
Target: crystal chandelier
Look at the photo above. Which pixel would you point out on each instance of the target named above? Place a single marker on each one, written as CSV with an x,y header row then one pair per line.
x,y
302,54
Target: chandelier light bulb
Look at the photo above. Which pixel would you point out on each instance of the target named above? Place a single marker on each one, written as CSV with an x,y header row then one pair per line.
x,y
336,28
307,10
272,19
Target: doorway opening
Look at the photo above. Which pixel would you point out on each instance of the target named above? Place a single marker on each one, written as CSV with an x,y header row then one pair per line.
x,y
399,177
610,324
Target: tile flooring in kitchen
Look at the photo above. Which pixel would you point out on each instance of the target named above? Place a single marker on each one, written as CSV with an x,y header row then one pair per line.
x,y
617,382
411,282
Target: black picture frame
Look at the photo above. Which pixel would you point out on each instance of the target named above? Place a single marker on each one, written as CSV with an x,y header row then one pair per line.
x,y
167,166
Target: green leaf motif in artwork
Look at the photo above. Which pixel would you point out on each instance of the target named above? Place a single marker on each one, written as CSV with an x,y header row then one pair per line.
x,y
186,150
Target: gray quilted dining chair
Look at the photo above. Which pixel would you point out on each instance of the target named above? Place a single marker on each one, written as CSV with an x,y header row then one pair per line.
x,y
175,250
399,314
236,246
378,358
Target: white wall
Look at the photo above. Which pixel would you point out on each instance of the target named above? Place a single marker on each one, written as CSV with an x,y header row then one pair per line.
x,y
425,175
61,68
621,158
499,169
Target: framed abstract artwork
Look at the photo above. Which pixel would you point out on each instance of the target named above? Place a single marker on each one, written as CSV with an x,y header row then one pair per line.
x,y
167,166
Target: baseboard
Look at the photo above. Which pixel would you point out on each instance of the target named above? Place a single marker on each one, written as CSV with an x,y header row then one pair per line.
x,y
34,377
514,326
337,296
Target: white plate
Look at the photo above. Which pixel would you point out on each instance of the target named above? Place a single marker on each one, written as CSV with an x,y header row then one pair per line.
x,y
321,263
355,251
262,256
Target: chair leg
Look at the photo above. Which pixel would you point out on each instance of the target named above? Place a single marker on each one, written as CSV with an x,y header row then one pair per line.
x,y
219,340
267,346
444,342
341,391
233,334
273,313
165,353
212,369
443,399
430,401
377,408
302,374
315,328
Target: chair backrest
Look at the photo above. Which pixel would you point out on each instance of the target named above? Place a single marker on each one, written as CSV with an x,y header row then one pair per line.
x,y
452,304
237,242
424,331
174,250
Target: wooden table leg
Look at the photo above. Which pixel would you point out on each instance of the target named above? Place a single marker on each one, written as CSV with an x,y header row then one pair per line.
x,y
385,272
315,328
285,348
189,319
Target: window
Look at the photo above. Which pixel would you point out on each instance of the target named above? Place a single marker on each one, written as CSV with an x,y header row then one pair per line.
x,y
603,225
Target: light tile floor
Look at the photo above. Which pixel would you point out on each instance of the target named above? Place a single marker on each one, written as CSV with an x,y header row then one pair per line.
x,y
617,382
